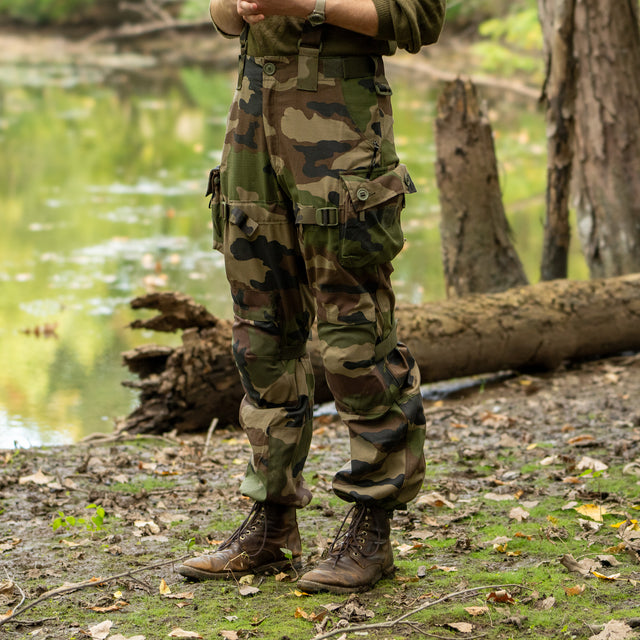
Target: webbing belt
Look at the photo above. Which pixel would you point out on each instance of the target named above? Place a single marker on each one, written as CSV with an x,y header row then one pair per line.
x,y
309,48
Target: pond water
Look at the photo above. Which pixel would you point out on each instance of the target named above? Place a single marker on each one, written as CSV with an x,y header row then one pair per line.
x,y
101,199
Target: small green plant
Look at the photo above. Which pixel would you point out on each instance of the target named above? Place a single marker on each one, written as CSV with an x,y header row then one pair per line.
x,y
95,522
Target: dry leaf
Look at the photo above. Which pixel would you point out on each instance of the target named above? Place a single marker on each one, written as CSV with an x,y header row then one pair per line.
x,y
181,633
119,636
164,588
498,497
502,596
591,463
519,514
593,511
546,604
584,567
575,591
37,478
462,627
184,595
615,576
434,499
581,440
282,577
300,613
116,606
476,611
229,634
614,630
438,567
247,590
248,579
100,631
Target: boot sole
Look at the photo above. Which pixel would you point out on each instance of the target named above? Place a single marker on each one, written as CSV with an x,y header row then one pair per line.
x,y
310,586
199,574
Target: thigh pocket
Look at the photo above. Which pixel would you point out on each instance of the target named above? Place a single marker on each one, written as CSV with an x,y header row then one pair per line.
x,y
217,208
371,232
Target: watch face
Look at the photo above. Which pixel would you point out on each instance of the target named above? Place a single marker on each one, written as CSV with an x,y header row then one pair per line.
x,y
316,19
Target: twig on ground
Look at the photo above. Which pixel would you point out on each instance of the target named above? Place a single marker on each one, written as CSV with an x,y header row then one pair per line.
x,y
83,585
212,428
402,619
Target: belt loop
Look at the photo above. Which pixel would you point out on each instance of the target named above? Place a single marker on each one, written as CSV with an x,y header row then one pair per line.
x,y
244,36
309,47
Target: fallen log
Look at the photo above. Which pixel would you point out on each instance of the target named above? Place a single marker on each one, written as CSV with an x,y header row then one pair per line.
x,y
535,327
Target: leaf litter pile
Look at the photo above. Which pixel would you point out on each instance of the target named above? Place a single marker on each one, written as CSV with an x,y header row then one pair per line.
x,y
526,526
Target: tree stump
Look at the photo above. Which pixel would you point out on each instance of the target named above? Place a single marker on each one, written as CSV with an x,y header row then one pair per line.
x,y
477,251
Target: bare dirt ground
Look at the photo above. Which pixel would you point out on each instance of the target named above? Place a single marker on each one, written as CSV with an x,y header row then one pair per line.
x,y
566,440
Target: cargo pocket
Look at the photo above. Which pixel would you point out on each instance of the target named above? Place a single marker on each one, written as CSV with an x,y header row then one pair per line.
x,y
371,233
217,208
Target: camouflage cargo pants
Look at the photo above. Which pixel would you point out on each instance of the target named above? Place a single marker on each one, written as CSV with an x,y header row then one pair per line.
x,y
306,209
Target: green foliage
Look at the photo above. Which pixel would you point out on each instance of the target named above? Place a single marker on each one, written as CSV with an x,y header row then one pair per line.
x,y
41,11
194,10
95,522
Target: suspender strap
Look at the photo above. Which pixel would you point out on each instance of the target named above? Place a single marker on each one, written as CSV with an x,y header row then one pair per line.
x,y
244,37
309,48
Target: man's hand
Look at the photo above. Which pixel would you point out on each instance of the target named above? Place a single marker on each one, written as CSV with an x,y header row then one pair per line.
x,y
354,15
253,11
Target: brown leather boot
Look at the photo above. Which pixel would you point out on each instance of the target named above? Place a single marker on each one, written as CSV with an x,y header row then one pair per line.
x,y
358,558
255,547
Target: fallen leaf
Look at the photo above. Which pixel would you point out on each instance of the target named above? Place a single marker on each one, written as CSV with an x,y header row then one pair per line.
x,y
614,630
184,595
502,596
498,497
116,606
519,514
119,636
282,577
434,499
7,587
248,579
546,604
248,590
591,463
581,440
615,576
228,634
181,633
36,478
584,567
575,591
164,588
462,627
101,630
438,567
300,613
476,611
593,511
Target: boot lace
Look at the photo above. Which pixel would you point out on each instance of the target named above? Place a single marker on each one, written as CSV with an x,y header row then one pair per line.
x,y
255,520
354,537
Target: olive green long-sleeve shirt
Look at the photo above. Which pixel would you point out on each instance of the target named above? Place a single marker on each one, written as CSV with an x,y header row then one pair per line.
x,y
408,24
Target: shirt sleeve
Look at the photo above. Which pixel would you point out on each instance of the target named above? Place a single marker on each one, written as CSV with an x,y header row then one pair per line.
x,y
411,23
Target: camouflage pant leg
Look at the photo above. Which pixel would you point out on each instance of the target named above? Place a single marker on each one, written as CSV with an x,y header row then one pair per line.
x,y
337,173
273,308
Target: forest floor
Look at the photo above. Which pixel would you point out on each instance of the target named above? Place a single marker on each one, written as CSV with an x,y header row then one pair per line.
x,y
528,513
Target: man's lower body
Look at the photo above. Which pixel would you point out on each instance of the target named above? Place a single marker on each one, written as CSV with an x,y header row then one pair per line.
x,y
306,208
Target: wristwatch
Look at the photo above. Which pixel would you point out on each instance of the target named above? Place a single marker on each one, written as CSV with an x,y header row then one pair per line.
x,y
317,16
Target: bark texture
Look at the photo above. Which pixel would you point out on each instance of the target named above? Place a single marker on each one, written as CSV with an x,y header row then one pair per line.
x,y
607,48
558,95
477,252
529,328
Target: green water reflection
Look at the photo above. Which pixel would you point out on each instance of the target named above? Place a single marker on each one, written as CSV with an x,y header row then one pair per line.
x,y
101,200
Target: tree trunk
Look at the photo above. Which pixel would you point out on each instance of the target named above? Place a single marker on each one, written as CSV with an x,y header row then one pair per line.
x,y
477,252
530,328
557,20
607,48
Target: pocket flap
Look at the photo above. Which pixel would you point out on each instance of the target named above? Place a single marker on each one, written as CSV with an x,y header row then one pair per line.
x,y
366,193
